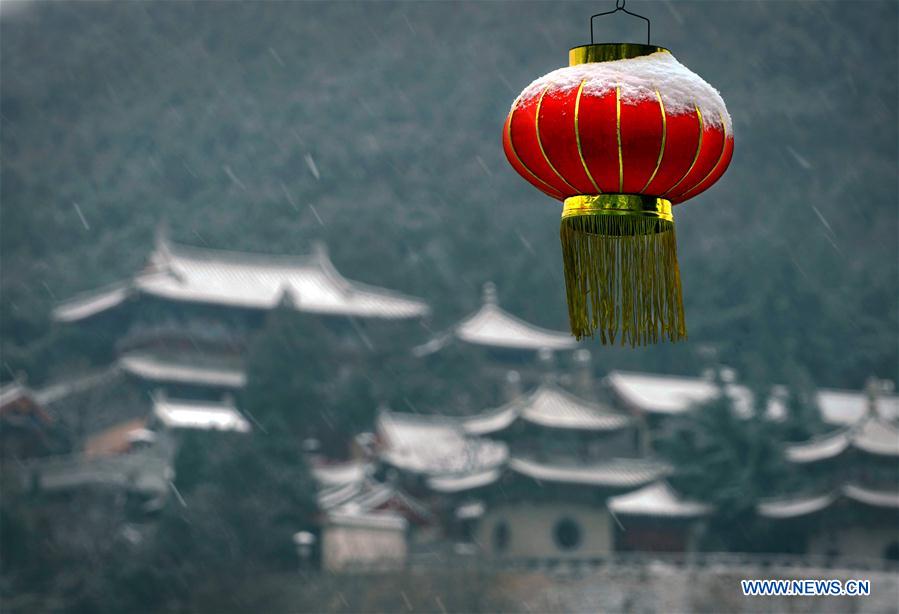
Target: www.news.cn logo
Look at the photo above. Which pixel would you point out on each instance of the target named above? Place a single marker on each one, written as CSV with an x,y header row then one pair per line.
x,y
802,588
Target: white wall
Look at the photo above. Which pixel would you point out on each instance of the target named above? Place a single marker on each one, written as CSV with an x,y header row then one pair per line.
x,y
532,527
348,546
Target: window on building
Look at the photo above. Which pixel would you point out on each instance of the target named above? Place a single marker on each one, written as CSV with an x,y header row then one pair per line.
x,y
501,536
567,534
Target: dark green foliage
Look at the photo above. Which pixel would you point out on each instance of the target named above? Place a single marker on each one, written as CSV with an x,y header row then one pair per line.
x,y
299,378
213,116
730,461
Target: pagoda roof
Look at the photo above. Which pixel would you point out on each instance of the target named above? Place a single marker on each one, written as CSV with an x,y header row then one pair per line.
x,y
549,406
160,369
795,506
657,499
872,497
877,436
818,448
17,399
309,283
615,473
366,496
202,415
433,445
466,481
804,505
492,326
88,304
873,435
674,395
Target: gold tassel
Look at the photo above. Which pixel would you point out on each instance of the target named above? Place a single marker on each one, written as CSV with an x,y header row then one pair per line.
x,y
622,277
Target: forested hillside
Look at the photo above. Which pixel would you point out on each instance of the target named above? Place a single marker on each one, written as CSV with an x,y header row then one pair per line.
x,y
265,125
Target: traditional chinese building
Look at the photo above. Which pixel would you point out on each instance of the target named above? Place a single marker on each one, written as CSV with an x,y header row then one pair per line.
x,y
849,503
506,337
184,321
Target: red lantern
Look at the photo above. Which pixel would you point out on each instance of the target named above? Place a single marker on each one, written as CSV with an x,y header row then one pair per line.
x,y
619,136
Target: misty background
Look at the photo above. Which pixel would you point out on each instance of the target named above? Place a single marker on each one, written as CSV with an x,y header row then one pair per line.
x,y
376,127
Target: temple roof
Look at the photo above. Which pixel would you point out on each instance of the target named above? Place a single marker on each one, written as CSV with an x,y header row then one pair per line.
x,y
203,415
818,448
492,326
464,481
616,473
870,496
548,406
873,435
794,507
349,489
657,499
877,436
803,505
433,445
254,281
159,369
672,395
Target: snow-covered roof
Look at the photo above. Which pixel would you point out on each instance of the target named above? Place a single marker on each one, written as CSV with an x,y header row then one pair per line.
x,y
62,389
492,326
873,435
248,280
804,505
158,369
17,399
13,392
549,406
870,496
91,303
877,436
341,473
819,448
845,407
619,473
671,395
203,415
657,499
794,507
433,445
464,481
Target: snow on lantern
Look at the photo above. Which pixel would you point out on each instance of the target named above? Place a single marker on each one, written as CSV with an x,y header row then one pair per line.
x,y
620,136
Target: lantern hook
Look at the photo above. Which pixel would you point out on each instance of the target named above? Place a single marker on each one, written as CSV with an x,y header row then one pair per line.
x,y
619,6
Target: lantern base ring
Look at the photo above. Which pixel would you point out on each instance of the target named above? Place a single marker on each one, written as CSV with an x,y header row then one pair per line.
x,y
618,204
621,275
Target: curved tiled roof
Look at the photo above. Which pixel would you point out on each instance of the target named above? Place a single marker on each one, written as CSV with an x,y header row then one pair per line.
x,y
657,499
672,395
247,280
494,327
549,406
158,369
819,448
794,507
873,435
433,445
203,415
620,473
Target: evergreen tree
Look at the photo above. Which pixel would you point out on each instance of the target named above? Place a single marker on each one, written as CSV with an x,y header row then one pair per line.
x,y
300,378
730,461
